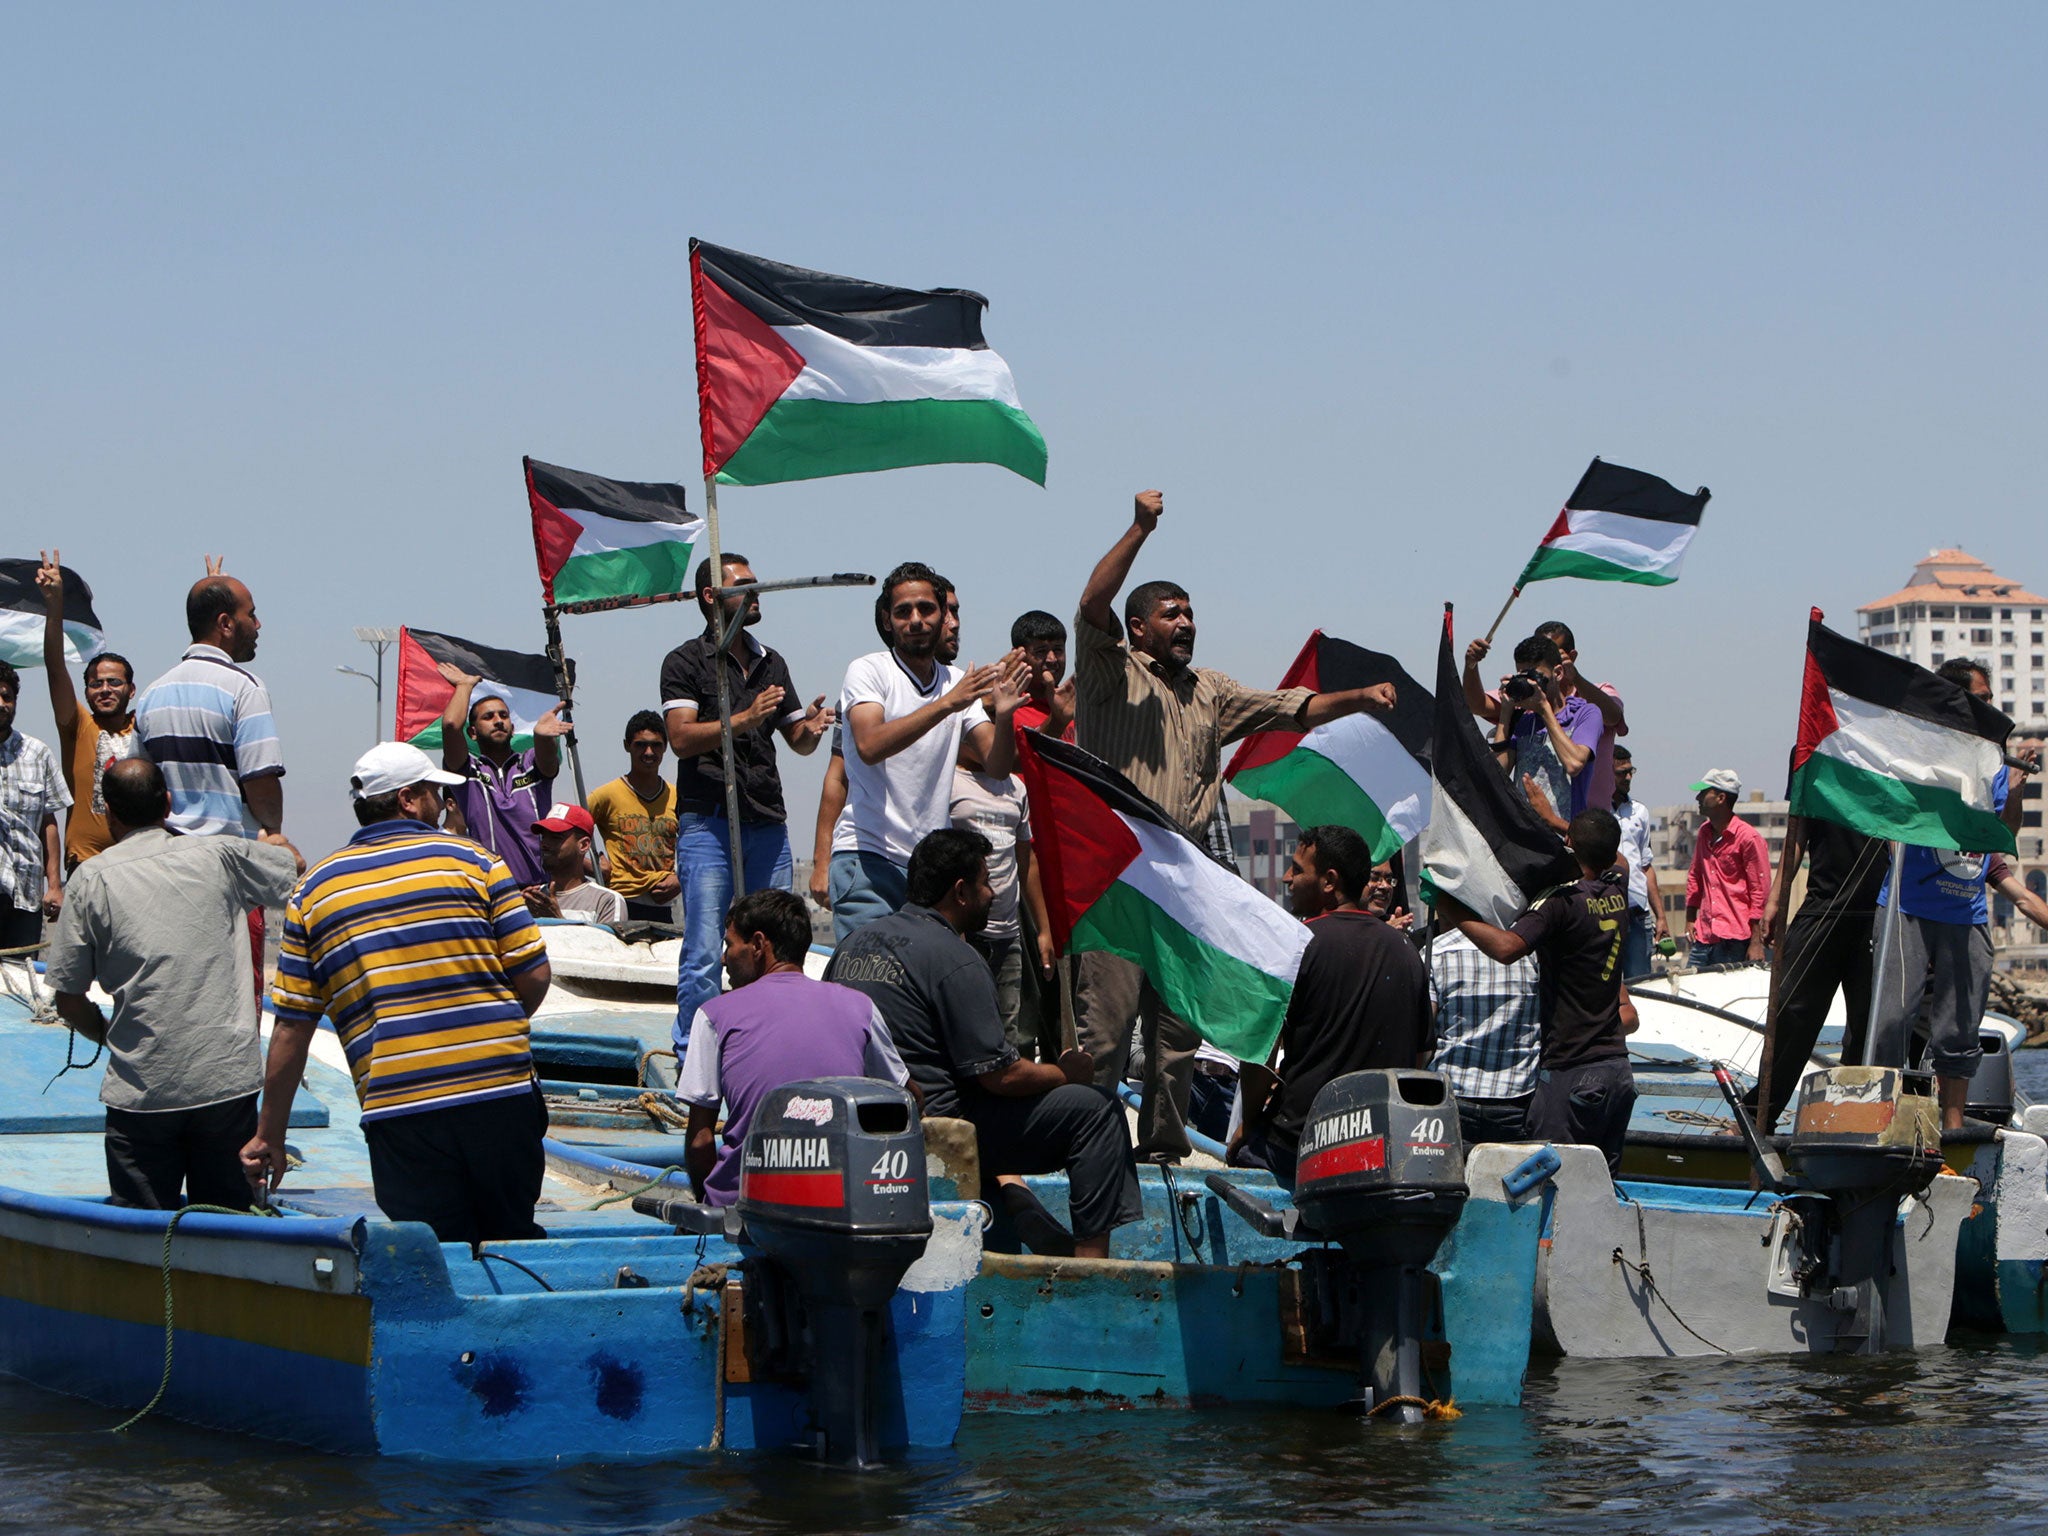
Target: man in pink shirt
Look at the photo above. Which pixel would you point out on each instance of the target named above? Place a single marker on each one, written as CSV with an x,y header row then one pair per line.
x,y
1730,879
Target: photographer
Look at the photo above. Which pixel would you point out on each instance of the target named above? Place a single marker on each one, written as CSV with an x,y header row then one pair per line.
x,y
1540,734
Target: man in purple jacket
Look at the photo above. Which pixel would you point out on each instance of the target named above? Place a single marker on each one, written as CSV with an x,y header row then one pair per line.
x,y
775,1027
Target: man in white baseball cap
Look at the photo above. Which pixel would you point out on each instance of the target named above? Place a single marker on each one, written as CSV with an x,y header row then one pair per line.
x,y
1729,883
408,936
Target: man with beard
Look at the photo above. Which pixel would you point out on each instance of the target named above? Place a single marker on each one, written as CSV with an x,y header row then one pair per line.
x,y
89,741
764,701
504,790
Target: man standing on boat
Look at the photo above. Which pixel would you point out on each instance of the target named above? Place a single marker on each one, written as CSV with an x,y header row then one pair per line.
x,y
1586,1088
1730,879
939,1001
1944,935
764,701
909,717
1360,999
1646,920
1489,1036
31,853
1593,782
500,791
1145,708
155,920
636,816
91,739
417,945
775,1027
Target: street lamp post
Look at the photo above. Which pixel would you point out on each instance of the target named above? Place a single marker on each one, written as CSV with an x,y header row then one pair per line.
x,y
379,640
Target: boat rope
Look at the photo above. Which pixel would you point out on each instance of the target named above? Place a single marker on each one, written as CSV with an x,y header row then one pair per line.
x,y
1432,1407
660,1107
1696,1117
1183,1210
170,1332
718,1374
1642,1273
480,1253
626,1194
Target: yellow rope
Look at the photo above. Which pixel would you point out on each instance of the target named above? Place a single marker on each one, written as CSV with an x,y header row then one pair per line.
x,y
1432,1408
660,1107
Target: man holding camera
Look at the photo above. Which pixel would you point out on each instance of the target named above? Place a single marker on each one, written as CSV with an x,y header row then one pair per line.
x,y
1541,734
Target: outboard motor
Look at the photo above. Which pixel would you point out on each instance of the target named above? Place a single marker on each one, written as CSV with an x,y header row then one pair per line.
x,y
1990,1096
1864,1137
833,1211
1381,1172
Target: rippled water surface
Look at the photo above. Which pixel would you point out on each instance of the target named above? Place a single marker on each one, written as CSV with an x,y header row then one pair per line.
x,y
1947,1439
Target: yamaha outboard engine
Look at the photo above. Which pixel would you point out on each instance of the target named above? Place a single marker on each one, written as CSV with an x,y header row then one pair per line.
x,y
833,1211
1864,1137
1381,1171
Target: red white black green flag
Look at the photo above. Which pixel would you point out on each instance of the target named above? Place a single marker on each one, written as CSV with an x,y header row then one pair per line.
x,y
1619,525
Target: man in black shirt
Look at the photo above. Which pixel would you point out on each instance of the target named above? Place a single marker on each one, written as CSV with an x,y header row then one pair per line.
x,y
1586,1088
763,701
1361,997
938,997
1826,946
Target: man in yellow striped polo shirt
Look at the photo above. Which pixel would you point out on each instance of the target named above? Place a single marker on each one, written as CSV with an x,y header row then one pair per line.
x,y
419,947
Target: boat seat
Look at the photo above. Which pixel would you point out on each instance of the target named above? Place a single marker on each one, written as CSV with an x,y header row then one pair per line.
x,y
952,1143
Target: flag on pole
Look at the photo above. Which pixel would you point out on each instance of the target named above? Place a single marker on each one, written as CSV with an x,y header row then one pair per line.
x,y
802,374
1366,772
22,615
1895,751
1619,525
525,682
604,543
1483,847
1120,877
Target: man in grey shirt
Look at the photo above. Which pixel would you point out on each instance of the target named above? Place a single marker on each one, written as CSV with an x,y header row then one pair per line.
x,y
157,922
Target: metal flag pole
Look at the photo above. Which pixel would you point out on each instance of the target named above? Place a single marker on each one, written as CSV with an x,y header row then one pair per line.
x,y
565,683
1887,941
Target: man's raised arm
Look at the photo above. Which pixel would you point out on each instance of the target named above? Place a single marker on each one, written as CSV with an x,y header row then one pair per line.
x,y
63,698
1098,598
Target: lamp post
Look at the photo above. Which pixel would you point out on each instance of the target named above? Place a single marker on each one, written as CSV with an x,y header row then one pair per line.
x,y
379,640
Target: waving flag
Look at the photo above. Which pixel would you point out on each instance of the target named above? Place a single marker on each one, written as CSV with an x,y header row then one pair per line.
x,y
1120,876
1894,751
608,543
526,682
1366,772
1619,525
1484,847
22,615
802,374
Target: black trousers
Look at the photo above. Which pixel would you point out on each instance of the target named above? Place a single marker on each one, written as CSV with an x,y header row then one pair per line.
x,y
471,1172
1820,955
1076,1128
159,1160
1588,1105
20,926
1482,1120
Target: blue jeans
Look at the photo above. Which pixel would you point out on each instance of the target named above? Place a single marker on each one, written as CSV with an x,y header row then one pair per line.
x,y
1635,944
864,886
704,867
1719,952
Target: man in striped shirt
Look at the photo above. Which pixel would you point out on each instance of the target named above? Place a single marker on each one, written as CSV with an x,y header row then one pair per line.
x,y
1489,1024
418,945
1145,708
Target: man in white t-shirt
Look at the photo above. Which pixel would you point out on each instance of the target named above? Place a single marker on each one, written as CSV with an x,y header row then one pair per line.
x,y
908,717
1000,811
565,834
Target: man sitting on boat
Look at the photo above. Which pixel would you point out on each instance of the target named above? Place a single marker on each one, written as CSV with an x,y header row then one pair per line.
x,y
1360,999
418,945
158,921
1586,1087
569,892
939,999
775,1027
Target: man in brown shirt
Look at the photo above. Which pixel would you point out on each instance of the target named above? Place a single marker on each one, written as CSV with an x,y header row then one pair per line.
x,y
1142,706
89,740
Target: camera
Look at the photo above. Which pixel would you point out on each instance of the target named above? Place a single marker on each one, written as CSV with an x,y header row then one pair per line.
x,y
1523,687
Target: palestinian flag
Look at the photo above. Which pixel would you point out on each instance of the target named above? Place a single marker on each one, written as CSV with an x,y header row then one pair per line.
x,y
1894,751
1119,876
608,543
1619,525
22,616
1484,847
802,374
1366,772
525,682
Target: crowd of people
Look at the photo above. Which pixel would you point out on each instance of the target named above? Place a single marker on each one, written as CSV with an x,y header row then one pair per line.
x,y
417,938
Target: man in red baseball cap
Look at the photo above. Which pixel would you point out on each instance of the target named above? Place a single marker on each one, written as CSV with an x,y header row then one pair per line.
x,y
565,834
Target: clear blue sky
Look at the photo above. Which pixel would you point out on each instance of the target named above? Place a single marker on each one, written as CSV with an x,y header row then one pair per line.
x,y
1362,288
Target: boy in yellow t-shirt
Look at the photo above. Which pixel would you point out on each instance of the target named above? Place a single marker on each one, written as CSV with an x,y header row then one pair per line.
x,y
637,817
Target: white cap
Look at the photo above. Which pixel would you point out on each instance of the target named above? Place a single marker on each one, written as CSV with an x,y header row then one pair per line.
x,y
1727,780
394,765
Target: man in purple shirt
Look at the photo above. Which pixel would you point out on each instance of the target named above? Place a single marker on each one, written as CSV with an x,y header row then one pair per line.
x,y
503,792
775,1027
1542,735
